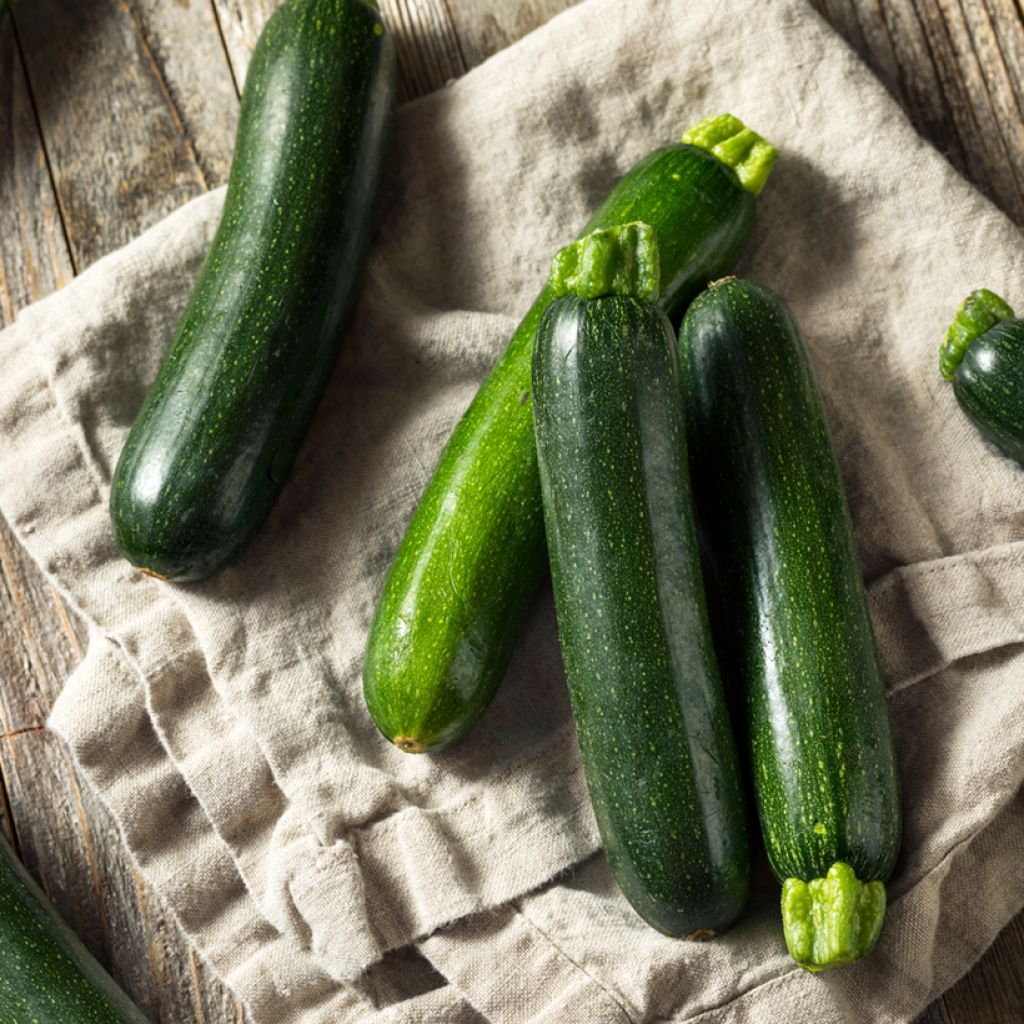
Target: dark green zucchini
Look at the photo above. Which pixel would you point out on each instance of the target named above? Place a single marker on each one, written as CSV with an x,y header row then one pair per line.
x,y
647,698
768,488
473,556
983,355
46,975
221,425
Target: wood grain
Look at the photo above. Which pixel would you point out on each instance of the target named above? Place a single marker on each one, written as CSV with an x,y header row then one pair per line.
x,y
34,256
483,27
182,46
955,66
119,150
240,23
62,832
429,54
112,113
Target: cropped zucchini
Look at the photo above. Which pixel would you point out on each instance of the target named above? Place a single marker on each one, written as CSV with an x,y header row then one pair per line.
x,y
647,698
473,555
768,489
220,428
46,975
983,355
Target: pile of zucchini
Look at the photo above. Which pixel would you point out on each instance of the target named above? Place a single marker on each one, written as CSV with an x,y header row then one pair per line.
x,y
600,427
473,557
624,423
595,445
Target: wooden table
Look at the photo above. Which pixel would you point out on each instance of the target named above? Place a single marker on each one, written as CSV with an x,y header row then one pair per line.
x,y
115,112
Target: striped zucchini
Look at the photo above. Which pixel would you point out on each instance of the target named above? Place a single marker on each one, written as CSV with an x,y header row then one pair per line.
x,y
768,488
46,975
983,356
647,698
217,434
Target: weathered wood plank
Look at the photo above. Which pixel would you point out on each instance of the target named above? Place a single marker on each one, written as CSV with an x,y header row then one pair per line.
x,y
34,258
862,24
992,86
183,43
120,154
957,69
970,100
483,27
74,851
943,88
1009,38
890,37
62,832
993,991
437,41
241,22
39,644
428,46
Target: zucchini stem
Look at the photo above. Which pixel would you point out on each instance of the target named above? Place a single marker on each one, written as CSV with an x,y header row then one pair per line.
x,y
979,312
738,147
721,280
621,260
832,920
409,745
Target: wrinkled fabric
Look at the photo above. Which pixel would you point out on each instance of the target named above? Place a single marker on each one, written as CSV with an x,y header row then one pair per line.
x,y
324,875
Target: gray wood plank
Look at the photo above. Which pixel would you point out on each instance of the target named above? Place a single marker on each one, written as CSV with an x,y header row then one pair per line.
x,y
61,830
34,257
890,37
429,53
119,151
188,60
862,24
957,66
971,98
1009,43
70,844
241,22
483,27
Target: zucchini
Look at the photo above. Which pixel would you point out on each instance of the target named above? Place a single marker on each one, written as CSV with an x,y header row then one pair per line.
x,y
646,694
983,356
768,487
473,556
221,425
46,975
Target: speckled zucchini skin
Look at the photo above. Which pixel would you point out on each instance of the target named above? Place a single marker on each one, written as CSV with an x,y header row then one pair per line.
x,y
46,975
220,427
474,553
647,698
989,385
768,487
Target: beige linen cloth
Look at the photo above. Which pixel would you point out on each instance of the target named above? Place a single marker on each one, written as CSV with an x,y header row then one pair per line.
x,y
324,875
